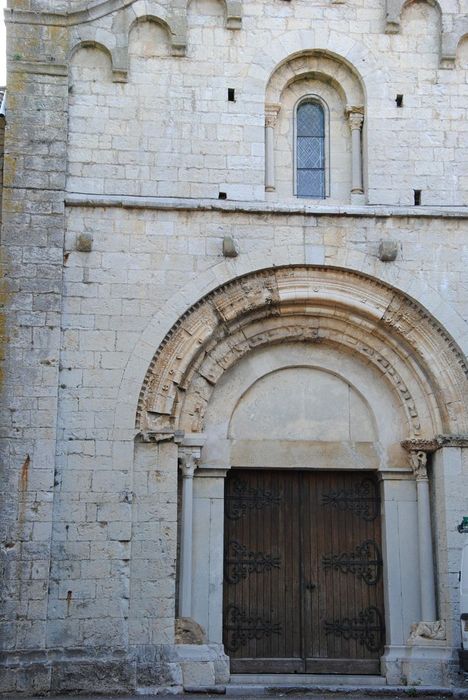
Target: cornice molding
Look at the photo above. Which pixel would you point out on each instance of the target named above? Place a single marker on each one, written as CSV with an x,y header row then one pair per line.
x,y
78,199
38,68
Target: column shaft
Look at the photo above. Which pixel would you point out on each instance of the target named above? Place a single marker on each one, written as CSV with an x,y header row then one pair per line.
x,y
426,557
269,159
185,583
356,186
356,119
271,115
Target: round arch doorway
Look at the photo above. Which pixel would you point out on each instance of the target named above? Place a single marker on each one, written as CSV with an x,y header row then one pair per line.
x,y
399,367
303,568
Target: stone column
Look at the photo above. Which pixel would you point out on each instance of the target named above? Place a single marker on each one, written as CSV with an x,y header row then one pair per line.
x,y
208,551
401,590
356,120
188,464
271,116
418,460
450,481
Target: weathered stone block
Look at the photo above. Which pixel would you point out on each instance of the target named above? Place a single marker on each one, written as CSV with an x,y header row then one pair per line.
x,y
188,631
198,674
94,676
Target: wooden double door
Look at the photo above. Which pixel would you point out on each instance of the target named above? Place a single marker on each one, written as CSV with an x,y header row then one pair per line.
x,y
303,586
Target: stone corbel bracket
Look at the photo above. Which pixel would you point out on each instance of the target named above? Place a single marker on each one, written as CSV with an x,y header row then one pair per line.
x,y
451,40
233,14
393,8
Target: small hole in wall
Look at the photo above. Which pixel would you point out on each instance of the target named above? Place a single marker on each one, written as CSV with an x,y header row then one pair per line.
x,y
417,198
231,95
399,100
222,195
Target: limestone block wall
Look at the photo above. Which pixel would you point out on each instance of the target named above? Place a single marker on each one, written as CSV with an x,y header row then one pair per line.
x,y
102,105
32,260
171,131
450,478
142,259
2,147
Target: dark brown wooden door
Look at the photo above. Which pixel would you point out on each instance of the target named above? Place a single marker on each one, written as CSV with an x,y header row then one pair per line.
x,y
302,572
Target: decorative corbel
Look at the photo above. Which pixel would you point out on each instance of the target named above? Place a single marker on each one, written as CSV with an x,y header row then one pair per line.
x,y
418,461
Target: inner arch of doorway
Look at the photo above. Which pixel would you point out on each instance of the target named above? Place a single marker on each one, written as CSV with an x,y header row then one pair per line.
x,y
332,442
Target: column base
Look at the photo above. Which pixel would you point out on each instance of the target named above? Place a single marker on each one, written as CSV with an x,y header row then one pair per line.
x,y
358,198
203,667
425,664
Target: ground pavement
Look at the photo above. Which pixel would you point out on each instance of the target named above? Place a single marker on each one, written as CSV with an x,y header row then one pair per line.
x,y
323,695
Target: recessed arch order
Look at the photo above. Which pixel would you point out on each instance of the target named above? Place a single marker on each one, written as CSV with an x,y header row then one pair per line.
x,y
362,316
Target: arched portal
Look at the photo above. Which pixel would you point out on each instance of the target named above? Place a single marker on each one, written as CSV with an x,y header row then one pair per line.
x,y
318,375
360,315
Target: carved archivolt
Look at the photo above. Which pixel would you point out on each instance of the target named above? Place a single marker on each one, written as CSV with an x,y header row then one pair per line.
x,y
361,316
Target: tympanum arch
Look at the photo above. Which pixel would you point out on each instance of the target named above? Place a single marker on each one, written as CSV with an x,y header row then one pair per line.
x,y
273,409
385,328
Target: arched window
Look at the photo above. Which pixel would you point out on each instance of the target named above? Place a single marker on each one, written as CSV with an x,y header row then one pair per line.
x,y
310,150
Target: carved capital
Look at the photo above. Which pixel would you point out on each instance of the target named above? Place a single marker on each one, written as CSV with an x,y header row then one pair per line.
x,y
418,461
190,448
271,115
188,462
355,117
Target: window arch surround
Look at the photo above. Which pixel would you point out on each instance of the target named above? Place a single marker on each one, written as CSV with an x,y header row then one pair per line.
x,y
331,66
326,72
311,148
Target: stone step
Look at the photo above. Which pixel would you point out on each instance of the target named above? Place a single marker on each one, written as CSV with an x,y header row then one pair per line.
x,y
300,680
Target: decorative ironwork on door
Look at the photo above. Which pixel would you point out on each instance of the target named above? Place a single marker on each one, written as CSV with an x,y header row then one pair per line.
x,y
367,628
243,498
365,562
242,627
362,499
302,572
241,562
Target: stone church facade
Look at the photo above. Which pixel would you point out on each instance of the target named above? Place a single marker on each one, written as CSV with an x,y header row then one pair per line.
x,y
234,384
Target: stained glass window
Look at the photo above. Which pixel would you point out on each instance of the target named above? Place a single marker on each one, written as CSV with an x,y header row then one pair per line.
x,y
310,150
